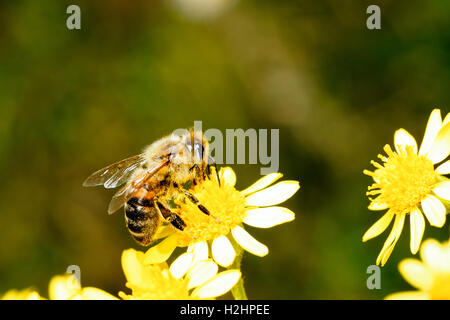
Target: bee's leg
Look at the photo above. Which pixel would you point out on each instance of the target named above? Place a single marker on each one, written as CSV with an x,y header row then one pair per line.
x,y
213,162
197,167
201,207
169,216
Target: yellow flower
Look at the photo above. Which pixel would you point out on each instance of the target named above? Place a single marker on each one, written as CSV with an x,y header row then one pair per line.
x,y
159,282
25,294
229,208
65,287
407,182
431,275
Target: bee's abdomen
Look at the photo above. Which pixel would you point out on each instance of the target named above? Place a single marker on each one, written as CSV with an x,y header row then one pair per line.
x,y
142,220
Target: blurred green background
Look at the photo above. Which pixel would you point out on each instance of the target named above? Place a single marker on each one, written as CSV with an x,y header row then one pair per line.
x,y
72,102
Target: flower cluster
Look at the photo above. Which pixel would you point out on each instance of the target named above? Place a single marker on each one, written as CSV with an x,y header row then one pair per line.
x,y
213,241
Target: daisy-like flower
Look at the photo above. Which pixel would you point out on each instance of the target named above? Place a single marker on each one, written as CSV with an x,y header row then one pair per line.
x,y
64,287
410,181
25,294
229,208
159,282
431,276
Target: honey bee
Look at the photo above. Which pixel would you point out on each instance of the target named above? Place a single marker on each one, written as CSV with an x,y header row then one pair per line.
x,y
162,173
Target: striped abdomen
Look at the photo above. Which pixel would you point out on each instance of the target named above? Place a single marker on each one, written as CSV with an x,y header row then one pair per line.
x,y
142,218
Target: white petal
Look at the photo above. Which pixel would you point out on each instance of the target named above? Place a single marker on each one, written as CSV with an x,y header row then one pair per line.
x,y
246,241
378,227
416,273
263,182
446,119
444,168
434,255
162,251
91,293
273,195
201,272
268,217
434,211
417,226
219,285
223,251
227,176
408,295
440,148
200,251
392,239
181,265
443,190
377,205
433,126
402,138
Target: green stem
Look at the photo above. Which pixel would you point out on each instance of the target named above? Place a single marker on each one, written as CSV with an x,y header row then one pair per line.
x,y
238,290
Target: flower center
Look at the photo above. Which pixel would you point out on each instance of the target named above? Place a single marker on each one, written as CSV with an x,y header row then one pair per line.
x,y
225,204
403,181
440,289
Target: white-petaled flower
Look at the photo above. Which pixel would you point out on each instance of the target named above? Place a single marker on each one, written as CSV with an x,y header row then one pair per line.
x,y
431,276
159,282
61,287
213,235
410,181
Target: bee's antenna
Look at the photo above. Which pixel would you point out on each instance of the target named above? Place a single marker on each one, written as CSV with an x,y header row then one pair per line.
x,y
215,167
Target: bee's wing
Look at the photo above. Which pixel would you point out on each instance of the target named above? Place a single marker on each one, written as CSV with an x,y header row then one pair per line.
x,y
125,193
114,174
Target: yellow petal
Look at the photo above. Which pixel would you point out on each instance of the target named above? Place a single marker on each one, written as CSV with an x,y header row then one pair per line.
x,y
408,295
440,148
200,251
181,265
219,285
434,255
402,138
378,227
417,226
434,211
433,126
263,182
26,294
376,205
131,265
63,287
442,190
273,195
223,251
416,273
162,251
268,217
444,168
250,244
90,293
227,176
201,272
392,239
163,232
